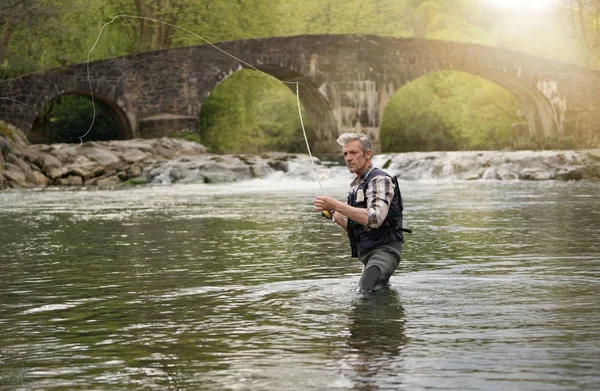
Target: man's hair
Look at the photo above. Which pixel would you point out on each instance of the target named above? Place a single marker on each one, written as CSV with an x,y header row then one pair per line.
x,y
365,141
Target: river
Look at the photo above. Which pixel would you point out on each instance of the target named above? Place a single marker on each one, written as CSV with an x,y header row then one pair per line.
x,y
245,287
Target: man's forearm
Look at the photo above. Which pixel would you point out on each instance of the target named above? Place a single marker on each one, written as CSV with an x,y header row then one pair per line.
x,y
359,215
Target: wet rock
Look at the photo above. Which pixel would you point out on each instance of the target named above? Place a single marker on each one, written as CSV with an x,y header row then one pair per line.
x,y
535,175
490,173
37,178
570,175
71,180
135,171
279,165
109,181
591,172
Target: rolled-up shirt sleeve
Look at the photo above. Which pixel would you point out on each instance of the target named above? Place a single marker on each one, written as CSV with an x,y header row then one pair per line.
x,y
380,193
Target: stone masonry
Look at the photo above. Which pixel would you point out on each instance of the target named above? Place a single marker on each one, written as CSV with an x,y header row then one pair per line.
x,y
345,82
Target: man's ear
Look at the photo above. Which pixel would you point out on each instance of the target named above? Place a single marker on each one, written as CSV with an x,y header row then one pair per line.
x,y
368,154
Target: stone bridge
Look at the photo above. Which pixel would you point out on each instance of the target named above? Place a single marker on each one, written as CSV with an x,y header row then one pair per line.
x,y
345,82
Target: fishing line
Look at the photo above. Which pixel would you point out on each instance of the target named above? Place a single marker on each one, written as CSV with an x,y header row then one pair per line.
x,y
32,108
297,84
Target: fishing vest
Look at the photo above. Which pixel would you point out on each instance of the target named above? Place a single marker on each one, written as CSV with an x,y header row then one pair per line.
x,y
390,231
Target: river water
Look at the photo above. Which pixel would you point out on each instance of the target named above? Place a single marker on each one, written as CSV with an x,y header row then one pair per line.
x,y
245,287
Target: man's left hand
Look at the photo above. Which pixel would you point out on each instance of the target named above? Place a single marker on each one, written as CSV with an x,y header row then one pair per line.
x,y
326,203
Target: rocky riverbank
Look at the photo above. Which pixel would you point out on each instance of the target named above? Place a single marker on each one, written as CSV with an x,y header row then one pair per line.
x,y
171,160
110,163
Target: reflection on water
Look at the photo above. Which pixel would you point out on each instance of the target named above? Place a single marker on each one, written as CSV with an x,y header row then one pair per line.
x,y
376,340
245,287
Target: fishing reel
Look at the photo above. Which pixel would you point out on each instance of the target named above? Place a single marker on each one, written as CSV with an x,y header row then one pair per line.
x,y
328,214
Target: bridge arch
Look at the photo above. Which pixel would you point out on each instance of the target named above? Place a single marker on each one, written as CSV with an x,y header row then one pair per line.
x,y
345,81
316,105
105,106
448,110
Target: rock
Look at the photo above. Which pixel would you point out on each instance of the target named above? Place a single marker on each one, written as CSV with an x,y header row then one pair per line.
x,y
164,152
47,162
109,181
15,177
135,171
490,173
571,175
71,180
57,172
12,158
591,172
140,180
122,175
37,178
177,173
279,165
5,146
85,168
12,167
536,175
65,152
133,156
140,144
101,156
593,154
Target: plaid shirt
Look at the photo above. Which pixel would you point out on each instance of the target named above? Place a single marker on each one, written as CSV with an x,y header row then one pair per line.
x,y
380,193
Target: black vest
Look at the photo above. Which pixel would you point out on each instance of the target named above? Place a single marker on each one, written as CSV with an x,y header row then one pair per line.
x,y
390,231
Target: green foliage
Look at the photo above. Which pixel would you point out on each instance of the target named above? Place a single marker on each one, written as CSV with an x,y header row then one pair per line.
x,y
251,113
449,111
69,117
257,115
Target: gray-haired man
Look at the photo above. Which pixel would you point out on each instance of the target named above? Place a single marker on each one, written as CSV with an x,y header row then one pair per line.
x,y
373,215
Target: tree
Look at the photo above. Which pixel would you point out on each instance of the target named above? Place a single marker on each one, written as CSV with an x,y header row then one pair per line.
x,y
584,17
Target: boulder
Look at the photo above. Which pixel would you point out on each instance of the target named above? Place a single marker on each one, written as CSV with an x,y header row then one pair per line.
x,y
133,156
109,181
16,178
47,162
85,168
135,171
12,167
65,152
57,172
17,161
37,178
71,180
164,152
102,156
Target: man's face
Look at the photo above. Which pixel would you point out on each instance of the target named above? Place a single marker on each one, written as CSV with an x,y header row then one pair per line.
x,y
355,158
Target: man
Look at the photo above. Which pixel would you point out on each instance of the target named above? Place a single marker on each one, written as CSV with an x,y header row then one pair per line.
x,y
373,215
